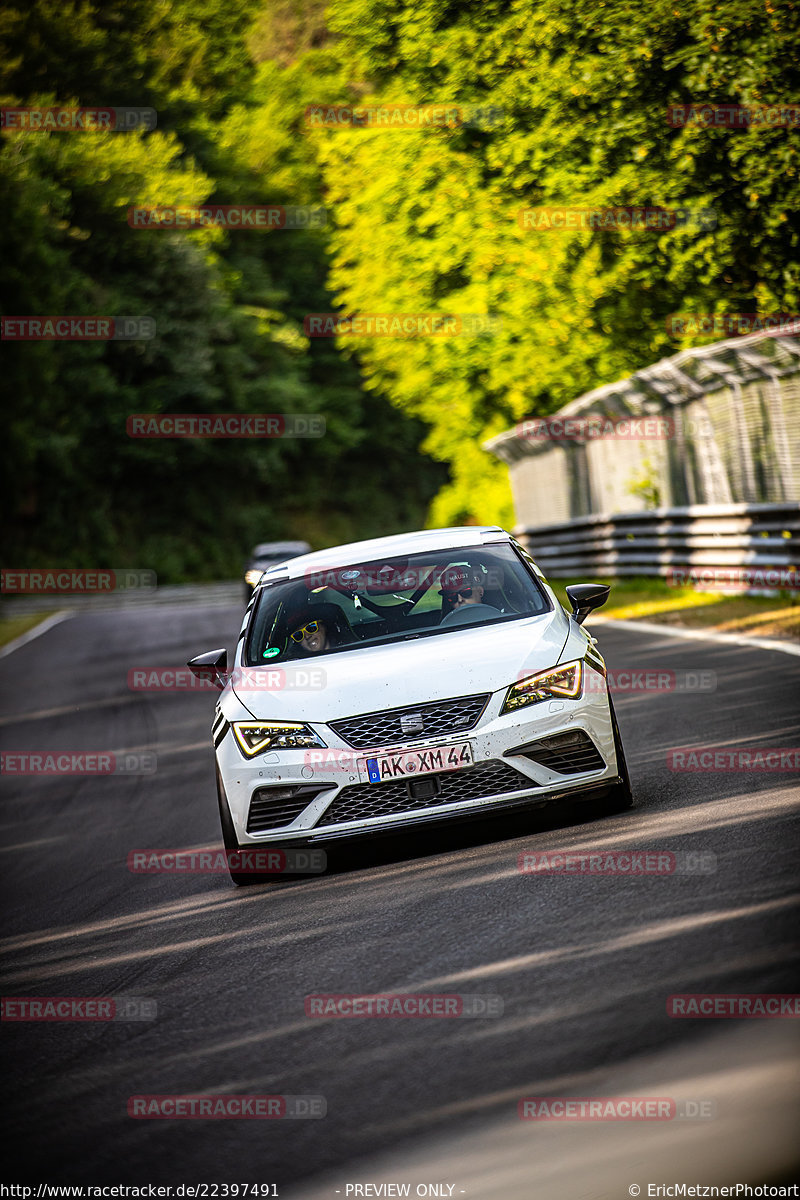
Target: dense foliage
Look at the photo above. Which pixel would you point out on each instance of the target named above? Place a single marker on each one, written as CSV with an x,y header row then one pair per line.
x,y
584,93
228,306
419,221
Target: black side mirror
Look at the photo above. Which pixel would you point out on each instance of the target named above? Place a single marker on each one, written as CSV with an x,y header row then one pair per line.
x,y
211,667
584,598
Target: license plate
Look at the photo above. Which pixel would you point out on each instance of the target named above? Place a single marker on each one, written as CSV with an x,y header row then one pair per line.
x,y
410,763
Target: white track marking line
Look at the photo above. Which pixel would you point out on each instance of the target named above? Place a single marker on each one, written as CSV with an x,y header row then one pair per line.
x,y
726,639
37,631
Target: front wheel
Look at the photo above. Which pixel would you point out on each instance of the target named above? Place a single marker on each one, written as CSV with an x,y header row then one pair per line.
x,y
230,841
621,794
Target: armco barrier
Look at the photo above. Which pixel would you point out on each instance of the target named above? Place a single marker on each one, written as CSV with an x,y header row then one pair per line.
x,y
207,595
715,425
652,543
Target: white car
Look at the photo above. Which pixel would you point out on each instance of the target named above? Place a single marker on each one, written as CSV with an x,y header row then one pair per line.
x,y
387,684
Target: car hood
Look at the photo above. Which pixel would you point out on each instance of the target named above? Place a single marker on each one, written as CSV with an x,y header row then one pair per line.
x,y
462,663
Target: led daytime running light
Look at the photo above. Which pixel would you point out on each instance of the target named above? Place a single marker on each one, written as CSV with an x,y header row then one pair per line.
x,y
256,737
560,682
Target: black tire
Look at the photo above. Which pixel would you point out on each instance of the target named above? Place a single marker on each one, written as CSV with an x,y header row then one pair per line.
x,y
240,878
621,795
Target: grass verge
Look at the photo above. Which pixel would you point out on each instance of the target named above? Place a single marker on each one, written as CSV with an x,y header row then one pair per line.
x,y
652,600
14,626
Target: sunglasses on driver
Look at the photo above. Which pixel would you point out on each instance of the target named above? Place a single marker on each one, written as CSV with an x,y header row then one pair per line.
x,y
304,630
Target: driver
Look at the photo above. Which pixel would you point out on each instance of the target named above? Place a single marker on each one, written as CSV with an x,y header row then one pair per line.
x,y
462,588
315,628
312,637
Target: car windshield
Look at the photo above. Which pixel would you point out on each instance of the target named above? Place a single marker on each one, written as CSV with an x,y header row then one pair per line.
x,y
339,609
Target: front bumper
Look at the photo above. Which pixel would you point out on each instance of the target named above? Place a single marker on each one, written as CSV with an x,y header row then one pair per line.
x,y
328,784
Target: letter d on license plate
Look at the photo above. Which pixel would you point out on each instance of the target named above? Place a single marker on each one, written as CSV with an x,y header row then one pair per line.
x,y
410,763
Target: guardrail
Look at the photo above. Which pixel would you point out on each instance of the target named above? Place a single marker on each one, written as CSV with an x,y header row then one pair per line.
x,y
198,595
717,425
656,543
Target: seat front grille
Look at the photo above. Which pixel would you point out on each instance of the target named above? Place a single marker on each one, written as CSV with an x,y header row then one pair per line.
x,y
413,723
367,800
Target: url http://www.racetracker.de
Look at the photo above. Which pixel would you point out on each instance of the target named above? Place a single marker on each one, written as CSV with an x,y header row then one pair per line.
x,y
196,1191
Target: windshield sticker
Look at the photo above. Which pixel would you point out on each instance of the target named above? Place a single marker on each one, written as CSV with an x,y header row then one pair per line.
x,y
271,651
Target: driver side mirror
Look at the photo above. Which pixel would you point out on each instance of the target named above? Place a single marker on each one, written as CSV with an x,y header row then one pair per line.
x,y
585,597
212,667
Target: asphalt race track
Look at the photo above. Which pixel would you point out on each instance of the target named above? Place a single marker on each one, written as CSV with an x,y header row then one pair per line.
x,y
583,965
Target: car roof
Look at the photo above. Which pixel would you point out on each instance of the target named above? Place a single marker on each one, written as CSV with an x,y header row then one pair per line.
x,y
420,541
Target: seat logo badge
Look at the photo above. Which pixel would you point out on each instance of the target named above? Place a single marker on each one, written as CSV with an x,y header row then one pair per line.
x,y
412,723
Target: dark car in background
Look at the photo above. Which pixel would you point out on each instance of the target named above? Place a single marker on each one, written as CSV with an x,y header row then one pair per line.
x,y
268,554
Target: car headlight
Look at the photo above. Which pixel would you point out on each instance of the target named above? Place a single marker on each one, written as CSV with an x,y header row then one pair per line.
x,y
254,737
559,682
252,577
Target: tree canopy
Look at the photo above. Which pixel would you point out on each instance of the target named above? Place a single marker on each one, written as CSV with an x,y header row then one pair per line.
x,y
419,221
228,306
584,100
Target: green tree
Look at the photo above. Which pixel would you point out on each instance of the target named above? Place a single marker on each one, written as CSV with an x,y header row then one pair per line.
x,y
429,220
228,307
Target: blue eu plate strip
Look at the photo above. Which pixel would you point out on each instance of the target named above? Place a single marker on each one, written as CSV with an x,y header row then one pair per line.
x,y
372,768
